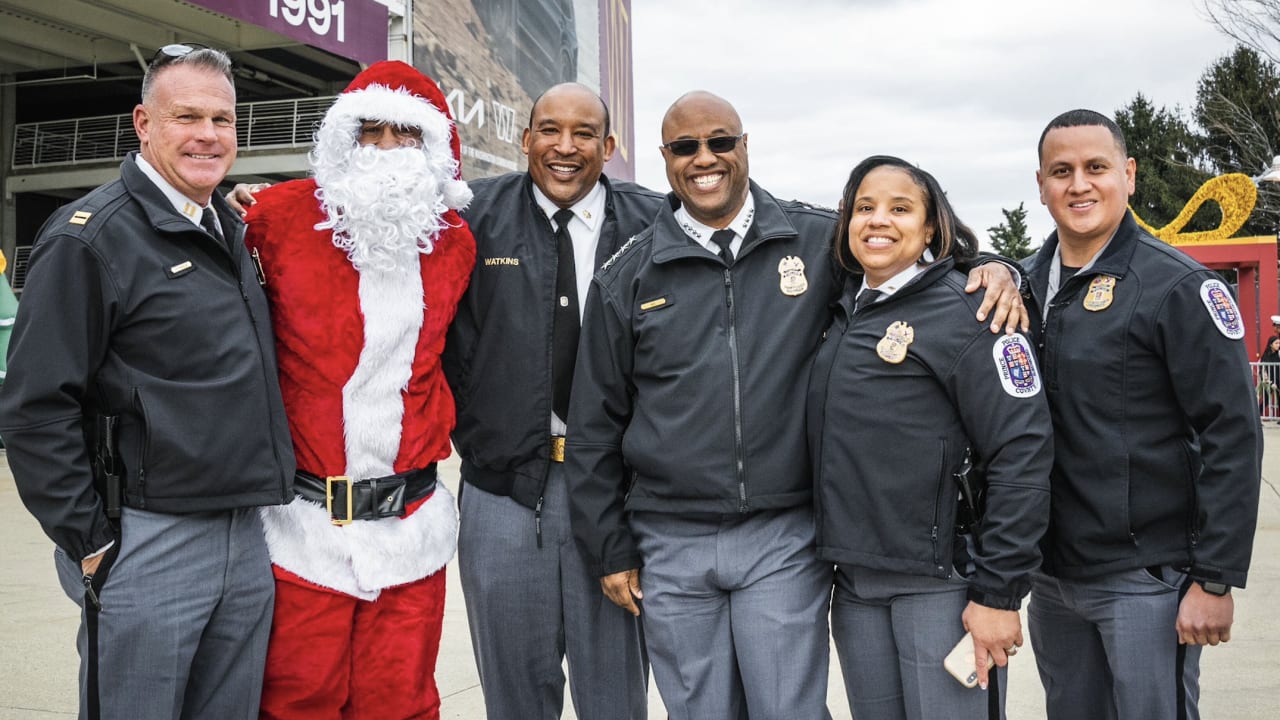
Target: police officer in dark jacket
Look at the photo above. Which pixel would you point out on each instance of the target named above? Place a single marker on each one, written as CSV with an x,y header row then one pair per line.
x,y
142,305
1157,444
906,392
686,454
509,357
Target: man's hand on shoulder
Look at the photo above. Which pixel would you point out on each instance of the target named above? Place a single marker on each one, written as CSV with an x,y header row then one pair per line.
x,y
1002,296
241,196
1204,619
623,588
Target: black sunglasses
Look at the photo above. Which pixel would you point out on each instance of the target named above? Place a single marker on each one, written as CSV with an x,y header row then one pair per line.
x,y
719,145
173,52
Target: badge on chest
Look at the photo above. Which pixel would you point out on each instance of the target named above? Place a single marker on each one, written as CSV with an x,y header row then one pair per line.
x,y
892,348
1101,293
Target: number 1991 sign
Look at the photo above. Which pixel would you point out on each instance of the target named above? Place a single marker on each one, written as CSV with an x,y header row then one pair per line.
x,y
355,29
320,15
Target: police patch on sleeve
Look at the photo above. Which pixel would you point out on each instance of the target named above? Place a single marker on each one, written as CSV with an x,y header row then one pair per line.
x,y
1222,309
1016,366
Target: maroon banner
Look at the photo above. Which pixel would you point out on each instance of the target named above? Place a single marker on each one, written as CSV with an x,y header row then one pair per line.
x,y
355,29
615,84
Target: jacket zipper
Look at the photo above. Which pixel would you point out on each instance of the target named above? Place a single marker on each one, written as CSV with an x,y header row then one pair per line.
x,y
940,496
737,394
143,450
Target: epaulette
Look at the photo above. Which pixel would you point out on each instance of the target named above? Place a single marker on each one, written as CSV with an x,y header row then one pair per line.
x,y
625,246
814,206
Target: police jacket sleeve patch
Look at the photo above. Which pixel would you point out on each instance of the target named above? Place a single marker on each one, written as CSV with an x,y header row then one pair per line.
x,y
1222,309
1016,366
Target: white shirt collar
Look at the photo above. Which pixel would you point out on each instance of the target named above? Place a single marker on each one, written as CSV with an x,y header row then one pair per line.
x,y
183,204
589,210
701,233
899,281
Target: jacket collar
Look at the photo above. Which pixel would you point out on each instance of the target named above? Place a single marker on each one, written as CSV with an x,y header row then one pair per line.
x,y
1113,261
533,202
160,212
922,280
770,223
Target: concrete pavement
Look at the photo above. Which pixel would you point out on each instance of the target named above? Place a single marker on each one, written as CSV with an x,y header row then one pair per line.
x,y
38,623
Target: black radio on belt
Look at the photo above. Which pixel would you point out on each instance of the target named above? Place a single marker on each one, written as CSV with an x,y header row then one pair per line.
x,y
349,500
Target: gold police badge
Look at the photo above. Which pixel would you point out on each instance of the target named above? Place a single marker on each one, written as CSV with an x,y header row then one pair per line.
x,y
892,348
793,281
1100,293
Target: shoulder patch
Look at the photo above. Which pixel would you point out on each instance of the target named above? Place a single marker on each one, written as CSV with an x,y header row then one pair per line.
x,y
1216,297
625,246
1016,366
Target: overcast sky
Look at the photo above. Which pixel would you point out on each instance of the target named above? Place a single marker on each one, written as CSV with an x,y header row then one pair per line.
x,y
962,89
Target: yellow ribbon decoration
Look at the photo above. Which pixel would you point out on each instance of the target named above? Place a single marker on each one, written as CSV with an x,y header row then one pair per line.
x,y
1235,193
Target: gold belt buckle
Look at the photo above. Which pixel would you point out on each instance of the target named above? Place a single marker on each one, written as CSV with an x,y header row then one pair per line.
x,y
557,448
328,491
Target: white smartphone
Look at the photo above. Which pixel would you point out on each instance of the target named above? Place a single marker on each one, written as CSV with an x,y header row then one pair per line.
x,y
960,663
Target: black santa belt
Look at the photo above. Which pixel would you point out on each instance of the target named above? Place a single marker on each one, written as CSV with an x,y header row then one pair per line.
x,y
348,500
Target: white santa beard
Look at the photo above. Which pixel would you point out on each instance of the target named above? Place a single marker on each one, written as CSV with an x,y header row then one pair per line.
x,y
383,206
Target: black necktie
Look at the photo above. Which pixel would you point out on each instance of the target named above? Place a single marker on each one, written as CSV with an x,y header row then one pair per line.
x,y
865,298
724,238
564,338
209,221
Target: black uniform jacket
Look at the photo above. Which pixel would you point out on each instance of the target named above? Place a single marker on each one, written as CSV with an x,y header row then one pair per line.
x,y
888,426
497,356
1158,444
132,310
693,374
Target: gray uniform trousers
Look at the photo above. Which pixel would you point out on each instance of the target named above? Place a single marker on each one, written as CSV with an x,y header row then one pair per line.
x,y
185,618
735,612
1107,647
892,632
529,608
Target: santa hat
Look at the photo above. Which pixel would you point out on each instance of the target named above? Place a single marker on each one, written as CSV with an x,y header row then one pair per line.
x,y
396,93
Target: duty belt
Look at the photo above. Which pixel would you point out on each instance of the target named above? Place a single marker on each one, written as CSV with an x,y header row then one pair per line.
x,y
347,500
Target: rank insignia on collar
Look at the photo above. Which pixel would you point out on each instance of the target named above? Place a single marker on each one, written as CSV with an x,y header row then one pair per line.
x,y
1100,293
892,348
793,281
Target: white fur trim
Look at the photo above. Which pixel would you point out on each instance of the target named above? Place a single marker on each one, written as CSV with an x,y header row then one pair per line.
x,y
372,399
401,107
366,556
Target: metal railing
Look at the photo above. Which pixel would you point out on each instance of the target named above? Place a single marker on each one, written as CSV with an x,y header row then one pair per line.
x,y
1266,379
259,125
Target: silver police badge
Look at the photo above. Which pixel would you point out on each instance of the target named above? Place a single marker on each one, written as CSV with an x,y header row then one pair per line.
x,y
892,348
793,281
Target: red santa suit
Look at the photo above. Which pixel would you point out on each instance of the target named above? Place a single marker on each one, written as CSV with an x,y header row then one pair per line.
x,y
359,607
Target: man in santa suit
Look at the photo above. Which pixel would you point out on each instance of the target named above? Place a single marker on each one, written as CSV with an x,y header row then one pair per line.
x,y
364,266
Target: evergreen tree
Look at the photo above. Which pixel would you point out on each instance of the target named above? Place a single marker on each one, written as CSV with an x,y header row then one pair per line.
x,y
1170,159
1237,106
1010,238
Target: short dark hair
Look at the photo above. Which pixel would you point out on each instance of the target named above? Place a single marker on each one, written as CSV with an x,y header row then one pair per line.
x,y
203,58
951,238
1083,118
604,107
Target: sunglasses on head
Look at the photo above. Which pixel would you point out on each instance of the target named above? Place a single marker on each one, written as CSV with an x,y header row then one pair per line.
x,y
175,51
689,146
